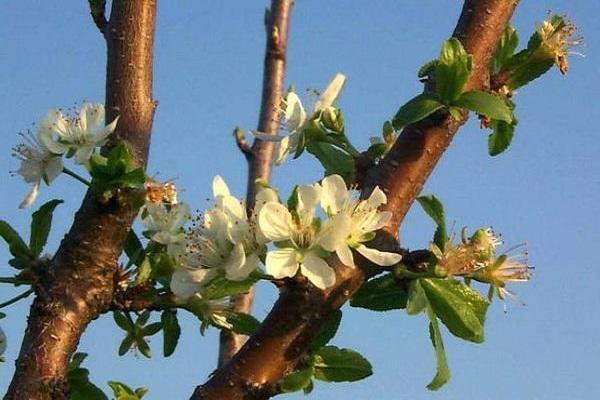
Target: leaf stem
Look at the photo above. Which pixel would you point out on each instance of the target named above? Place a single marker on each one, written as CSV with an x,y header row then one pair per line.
x,y
76,176
23,295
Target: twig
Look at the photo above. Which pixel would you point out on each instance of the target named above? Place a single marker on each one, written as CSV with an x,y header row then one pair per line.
x,y
23,295
242,142
97,11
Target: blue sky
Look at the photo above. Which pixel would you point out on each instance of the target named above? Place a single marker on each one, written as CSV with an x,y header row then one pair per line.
x,y
544,190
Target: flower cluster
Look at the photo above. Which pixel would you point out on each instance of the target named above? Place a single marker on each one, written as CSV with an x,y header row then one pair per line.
x,y
228,242
557,39
297,121
58,135
476,258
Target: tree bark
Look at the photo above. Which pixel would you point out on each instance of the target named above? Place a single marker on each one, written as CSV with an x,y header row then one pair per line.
x,y
260,156
285,335
78,284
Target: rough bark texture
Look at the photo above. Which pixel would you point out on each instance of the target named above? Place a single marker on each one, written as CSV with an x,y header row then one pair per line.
x,y
78,284
260,156
297,316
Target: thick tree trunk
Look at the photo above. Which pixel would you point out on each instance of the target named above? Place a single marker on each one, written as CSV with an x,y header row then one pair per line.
x,y
78,284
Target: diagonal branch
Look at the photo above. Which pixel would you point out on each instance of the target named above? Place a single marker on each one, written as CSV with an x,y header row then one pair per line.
x,y
260,155
78,284
286,333
97,11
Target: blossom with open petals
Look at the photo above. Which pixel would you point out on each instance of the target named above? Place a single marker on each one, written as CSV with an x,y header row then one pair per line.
x,y
296,119
361,220
77,137
164,225
301,240
557,39
37,164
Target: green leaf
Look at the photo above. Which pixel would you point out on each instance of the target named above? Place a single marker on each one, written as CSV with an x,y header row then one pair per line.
x,y
152,329
459,307
528,71
442,371
506,48
123,392
328,331
452,71
133,179
17,247
486,104
297,380
380,294
434,208
333,160
122,321
500,138
143,347
221,287
133,248
41,220
171,331
126,344
333,364
416,301
76,361
80,386
416,109
244,324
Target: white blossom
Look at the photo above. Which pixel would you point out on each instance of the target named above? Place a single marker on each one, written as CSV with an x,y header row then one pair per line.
x,y
77,137
37,164
361,220
164,225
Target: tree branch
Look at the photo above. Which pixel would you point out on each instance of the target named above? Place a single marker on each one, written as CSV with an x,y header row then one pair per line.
x,y
97,11
286,333
78,284
260,156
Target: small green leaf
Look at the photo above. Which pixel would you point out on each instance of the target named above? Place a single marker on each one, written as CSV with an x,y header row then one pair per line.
x,y
297,380
126,344
452,71
506,48
123,392
17,247
416,301
80,386
41,220
333,160
459,307
133,248
221,287
416,109
171,331
122,321
76,361
434,208
380,294
333,364
143,347
486,104
528,71
500,138
328,331
244,324
152,329
442,371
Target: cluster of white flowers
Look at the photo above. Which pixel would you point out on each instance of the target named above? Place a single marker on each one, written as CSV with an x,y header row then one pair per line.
x,y
59,135
296,119
227,242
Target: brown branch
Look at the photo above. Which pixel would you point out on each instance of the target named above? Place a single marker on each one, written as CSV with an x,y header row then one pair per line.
x,y
97,11
286,333
260,156
78,284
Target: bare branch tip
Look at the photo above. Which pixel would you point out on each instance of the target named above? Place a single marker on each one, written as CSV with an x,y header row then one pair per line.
x,y
97,11
242,142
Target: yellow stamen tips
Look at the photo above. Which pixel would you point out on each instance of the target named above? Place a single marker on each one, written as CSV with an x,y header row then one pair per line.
x,y
557,36
161,192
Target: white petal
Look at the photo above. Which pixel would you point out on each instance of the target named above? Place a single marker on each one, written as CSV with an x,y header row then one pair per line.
x,y
334,232
334,194
264,196
317,271
308,198
237,258
31,196
233,207
282,150
245,269
376,198
110,128
294,116
219,187
48,126
267,137
83,154
382,258
275,221
185,282
331,93
91,116
181,215
281,263
53,168
344,253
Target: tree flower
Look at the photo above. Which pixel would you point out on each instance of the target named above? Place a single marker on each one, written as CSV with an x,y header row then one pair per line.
x,y
361,220
37,164
79,136
164,225
296,119
301,239
556,36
